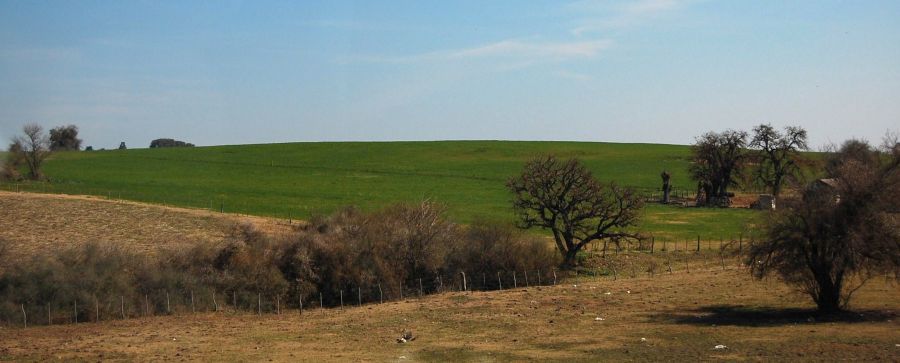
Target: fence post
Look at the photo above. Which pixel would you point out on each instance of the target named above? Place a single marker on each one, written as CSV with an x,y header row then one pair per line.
x,y
698,243
526,278
342,299
24,316
515,284
122,300
258,303
358,296
484,281
465,288
320,303
301,304
215,303
539,277
76,311
499,281
380,294
421,290
49,318
440,283
652,243
192,302
169,307
554,277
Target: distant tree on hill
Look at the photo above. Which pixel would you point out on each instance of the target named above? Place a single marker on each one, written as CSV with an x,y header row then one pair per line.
x,y
64,138
169,143
832,240
30,149
122,146
777,155
565,198
717,162
89,148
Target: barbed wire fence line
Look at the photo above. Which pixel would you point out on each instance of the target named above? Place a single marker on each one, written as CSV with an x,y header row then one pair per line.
x,y
94,308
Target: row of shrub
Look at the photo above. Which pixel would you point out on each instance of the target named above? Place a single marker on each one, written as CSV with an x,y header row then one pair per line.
x,y
404,249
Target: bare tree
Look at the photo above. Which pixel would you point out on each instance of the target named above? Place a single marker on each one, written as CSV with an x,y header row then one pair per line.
x,y
835,238
717,161
64,138
778,155
34,149
565,198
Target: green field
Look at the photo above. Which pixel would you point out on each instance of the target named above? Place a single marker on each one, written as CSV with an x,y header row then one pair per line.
x,y
298,180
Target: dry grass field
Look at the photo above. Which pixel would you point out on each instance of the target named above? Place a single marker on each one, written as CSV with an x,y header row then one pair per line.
x,y
679,317
34,223
676,316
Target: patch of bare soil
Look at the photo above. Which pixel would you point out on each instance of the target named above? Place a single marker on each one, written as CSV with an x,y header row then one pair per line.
x,y
37,223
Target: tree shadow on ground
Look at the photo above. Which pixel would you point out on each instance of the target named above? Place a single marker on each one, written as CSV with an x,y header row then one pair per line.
x,y
760,316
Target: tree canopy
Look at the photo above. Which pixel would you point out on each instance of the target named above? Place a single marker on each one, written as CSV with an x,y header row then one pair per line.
x,y
717,161
564,197
833,239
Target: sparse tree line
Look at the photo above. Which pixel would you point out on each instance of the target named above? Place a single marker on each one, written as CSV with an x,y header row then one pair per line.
x,y
768,157
27,152
403,250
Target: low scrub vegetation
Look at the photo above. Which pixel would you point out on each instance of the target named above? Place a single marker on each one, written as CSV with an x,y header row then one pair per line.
x,y
403,250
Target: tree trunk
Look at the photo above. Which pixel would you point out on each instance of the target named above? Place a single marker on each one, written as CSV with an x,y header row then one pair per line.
x,y
828,299
570,259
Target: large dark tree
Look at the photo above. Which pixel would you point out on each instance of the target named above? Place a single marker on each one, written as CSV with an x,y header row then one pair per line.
x,y
777,155
717,161
64,138
563,196
837,235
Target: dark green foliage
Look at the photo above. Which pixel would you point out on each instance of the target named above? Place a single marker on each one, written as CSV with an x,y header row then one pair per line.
x,y
158,143
717,162
63,138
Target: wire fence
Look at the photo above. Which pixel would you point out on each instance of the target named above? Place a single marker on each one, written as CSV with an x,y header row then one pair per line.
x,y
94,308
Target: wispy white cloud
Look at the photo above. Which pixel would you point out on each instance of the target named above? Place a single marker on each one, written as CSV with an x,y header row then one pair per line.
x,y
520,50
601,15
53,54
575,76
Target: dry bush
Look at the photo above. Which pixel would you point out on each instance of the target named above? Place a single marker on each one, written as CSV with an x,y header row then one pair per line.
x,y
394,248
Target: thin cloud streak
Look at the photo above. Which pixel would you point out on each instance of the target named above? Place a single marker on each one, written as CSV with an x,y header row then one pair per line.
x,y
531,51
635,13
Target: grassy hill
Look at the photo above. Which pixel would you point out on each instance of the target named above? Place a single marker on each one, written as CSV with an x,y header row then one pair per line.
x,y
301,179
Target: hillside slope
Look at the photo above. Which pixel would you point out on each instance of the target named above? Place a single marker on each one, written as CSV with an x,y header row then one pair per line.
x,y
33,224
298,180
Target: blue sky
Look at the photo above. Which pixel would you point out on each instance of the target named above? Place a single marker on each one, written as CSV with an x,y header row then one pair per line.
x,y
238,72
